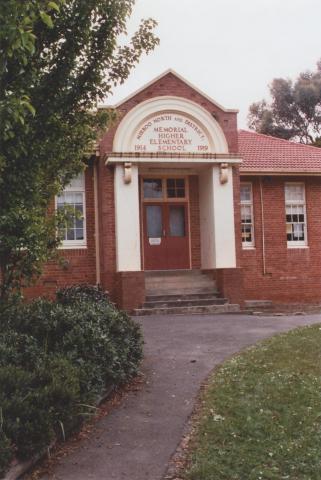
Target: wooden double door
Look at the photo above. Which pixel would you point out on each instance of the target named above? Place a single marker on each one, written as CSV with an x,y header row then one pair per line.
x,y
166,229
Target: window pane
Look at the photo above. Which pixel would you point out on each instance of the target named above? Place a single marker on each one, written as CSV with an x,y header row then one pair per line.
x,y
177,221
70,234
79,223
60,200
79,233
294,193
154,221
77,183
78,198
247,233
70,197
246,195
175,187
153,188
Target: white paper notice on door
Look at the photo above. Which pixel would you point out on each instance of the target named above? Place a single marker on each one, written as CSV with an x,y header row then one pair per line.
x,y
155,241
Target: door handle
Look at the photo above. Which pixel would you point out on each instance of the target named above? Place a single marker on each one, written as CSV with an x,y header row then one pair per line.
x,y
164,232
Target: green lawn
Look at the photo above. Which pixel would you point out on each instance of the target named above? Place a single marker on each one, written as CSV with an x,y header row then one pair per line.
x,y
260,416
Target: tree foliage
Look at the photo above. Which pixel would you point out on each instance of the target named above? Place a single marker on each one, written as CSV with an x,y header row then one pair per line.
x,y
295,110
57,58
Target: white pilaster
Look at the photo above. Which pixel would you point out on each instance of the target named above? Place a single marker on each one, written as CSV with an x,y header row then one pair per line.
x,y
207,225
128,256
217,220
225,254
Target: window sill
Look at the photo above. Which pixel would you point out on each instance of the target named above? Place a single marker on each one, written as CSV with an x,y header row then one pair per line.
x,y
295,247
73,246
248,247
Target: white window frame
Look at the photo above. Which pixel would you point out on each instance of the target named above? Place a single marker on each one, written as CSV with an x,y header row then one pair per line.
x,y
248,203
296,243
76,244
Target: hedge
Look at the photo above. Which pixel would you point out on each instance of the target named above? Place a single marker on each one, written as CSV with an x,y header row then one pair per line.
x,y
56,359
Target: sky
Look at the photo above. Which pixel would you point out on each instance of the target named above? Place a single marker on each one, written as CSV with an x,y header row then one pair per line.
x,y
230,49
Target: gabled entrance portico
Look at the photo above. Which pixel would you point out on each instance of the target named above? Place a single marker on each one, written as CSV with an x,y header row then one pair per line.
x,y
159,145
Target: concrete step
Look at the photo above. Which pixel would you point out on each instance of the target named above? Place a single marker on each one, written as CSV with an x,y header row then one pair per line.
x,y
164,290
258,305
182,292
180,278
208,309
185,303
173,273
177,275
181,286
182,296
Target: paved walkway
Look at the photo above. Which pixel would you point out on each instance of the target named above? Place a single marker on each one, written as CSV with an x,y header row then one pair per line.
x,y
137,440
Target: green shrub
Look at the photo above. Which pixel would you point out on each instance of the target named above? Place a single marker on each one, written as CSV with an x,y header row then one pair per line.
x,y
57,357
82,292
26,413
6,453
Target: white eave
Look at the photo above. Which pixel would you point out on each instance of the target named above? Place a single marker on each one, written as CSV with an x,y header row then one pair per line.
x,y
226,110
178,160
279,172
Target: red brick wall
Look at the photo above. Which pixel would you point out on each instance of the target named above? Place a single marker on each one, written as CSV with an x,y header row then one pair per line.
x,y
292,275
76,265
107,227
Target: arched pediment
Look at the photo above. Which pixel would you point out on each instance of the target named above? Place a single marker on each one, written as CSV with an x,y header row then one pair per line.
x,y
169,125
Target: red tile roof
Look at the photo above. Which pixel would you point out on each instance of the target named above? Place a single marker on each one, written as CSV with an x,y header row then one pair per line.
x,y
262,153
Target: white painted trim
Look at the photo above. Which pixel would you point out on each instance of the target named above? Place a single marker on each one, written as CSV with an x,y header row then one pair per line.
x,y
74,246
159,77
280,173
140,114
250,204
297,243
97,235
182,161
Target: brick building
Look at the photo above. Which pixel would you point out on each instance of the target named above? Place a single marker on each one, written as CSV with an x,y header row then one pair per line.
x,y
178,203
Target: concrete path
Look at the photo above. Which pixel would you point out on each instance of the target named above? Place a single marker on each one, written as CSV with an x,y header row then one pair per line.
x,y
137,440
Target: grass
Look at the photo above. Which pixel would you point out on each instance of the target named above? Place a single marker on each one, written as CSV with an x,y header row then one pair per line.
x,y
260,417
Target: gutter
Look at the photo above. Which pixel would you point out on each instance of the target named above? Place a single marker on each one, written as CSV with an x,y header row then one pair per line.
x,y
96,207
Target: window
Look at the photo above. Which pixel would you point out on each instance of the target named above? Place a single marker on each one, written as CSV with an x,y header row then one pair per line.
x,y
175,187
164,189
296,228
153,188
73,233
247,215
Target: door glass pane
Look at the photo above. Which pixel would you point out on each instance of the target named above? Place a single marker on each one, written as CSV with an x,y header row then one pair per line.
x,y
154,221
175,187
153,188
177,221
